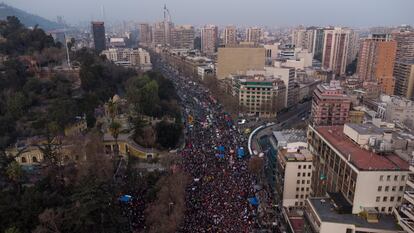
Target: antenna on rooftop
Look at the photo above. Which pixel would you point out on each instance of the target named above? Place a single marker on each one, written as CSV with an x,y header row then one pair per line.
x,y
103,12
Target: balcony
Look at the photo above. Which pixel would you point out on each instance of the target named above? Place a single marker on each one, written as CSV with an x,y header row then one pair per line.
x,y
408,210
406,223
409,196
410,182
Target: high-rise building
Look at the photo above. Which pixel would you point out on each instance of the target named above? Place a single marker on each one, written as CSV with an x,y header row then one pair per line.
x,y
209,39
353,47
376,61
99,39
335,51
253,34
161,33
145,34
330,105
404,78
303,38
182,37
318,40
355,163
230,37
405,45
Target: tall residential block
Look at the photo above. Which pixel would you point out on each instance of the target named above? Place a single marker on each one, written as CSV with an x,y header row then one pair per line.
x,y
376,61
303,38
405,45
404,78
330,105
209,39
99,39
318,40
238,60
182,37
253,34
335,51
353,47
145,34
230,36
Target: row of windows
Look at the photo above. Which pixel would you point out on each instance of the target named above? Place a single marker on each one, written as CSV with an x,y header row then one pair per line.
x,y
302,189
304,166
259,92
303,182
381,178
258,88
257,100
301,196
304,174
34,159
384,199
393,189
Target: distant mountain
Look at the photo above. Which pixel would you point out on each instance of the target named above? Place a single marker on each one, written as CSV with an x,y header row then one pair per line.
x,y
27,19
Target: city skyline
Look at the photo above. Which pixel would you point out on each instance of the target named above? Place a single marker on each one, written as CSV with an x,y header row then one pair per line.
x,y
321,12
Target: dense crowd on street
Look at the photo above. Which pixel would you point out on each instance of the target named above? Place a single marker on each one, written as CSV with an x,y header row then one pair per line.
x,y
217,197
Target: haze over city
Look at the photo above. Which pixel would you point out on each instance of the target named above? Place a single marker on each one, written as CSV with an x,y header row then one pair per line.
x,y
213,116
355,13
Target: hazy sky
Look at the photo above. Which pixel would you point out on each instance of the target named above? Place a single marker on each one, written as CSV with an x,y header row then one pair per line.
x,y
239,12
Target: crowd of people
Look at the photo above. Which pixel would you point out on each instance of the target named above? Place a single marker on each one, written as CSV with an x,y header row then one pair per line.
x,y
217,198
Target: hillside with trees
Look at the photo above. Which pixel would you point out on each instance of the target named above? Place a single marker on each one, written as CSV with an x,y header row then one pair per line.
x,y
29,20
77,195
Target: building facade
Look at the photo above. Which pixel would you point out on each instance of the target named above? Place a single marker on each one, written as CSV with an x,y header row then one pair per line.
x,y
376,61
259,95
145,34
355,163
405,45
230,36
138,58
404,78
182,37
99,39
335,51
294,173
238,60
254,35
209,39
304,38
330,105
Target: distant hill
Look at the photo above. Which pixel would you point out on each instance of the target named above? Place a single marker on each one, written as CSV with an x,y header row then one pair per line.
x,y
27,19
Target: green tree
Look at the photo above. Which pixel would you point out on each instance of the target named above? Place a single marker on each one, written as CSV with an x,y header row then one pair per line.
x,y
12,230
15,174
168,134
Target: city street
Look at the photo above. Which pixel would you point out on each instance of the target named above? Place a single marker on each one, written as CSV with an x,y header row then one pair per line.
x,y
218,197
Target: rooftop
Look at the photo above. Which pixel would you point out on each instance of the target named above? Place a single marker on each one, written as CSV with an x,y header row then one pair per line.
x,y
366,129
361,158
290,136
325,209
296,155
